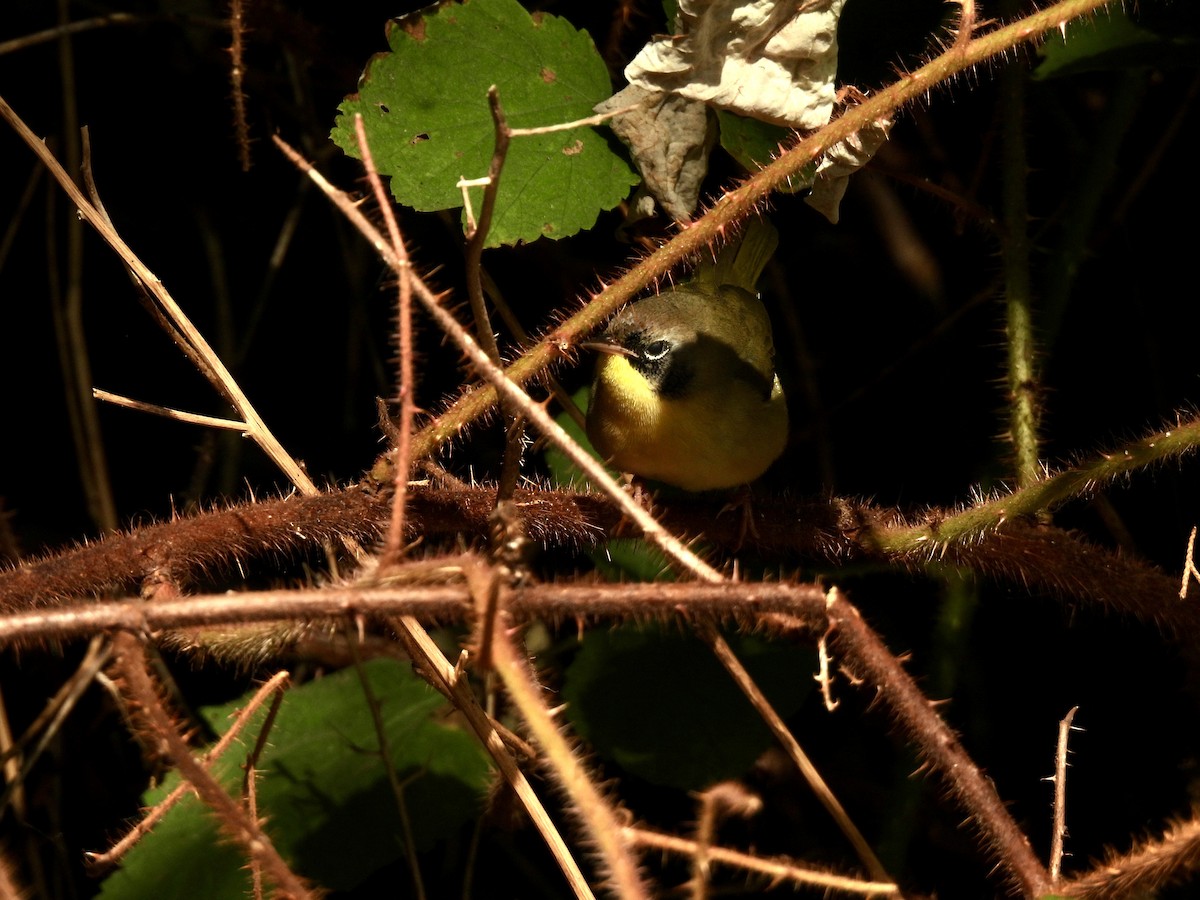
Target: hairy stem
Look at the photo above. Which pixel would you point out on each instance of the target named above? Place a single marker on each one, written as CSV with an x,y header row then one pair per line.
x,y
1043,495
738,203
1022,376
866,654
599,819
394,544
133,666
791,746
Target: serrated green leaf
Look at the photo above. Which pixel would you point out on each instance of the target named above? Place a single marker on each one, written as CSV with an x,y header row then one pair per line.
x,y
659,704
323,789
425,109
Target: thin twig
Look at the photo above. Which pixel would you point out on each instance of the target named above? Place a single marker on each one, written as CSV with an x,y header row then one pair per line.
x,y
1189,565
478,232
74,352
597,816
69,28
777,869
1060,796
453,684
168,413
824,676
111,856
895,689
237,30
16,212
728,798
145,297
775,722
386,757
133,666
1022,373
224,382
394,544
250,780
56,712
514,423
11,756
507,388
598,119
514,427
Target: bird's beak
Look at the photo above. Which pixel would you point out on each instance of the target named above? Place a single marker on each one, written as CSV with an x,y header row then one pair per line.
x,y
609,349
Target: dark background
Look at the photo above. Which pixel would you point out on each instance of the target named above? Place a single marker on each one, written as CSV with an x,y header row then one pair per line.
x,y
906,369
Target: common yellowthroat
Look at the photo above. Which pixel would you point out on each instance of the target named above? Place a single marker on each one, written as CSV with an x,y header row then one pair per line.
x,y
685,390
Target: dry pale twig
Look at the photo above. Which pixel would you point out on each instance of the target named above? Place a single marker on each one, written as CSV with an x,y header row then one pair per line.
x,y
1060,796
168,413
250,778
774,721
256,428
55,714
776,869
452,683
1189,565
824,677
720,801
394,544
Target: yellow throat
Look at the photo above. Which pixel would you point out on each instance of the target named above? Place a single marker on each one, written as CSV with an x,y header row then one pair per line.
x,y
685,390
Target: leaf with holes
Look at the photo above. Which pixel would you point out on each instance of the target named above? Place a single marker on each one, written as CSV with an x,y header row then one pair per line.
x,y
425,109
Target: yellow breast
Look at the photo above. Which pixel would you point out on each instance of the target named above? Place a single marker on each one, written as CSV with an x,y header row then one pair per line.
x,y
718,437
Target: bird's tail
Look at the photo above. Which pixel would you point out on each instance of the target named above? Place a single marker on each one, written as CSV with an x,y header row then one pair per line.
x,y
742,260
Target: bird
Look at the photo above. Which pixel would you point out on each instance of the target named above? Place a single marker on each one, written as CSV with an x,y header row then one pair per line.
x,y
685,390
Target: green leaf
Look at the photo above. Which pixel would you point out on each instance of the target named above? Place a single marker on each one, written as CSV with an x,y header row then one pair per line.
x,y
563,472
425,109
661,706
1111,40
754,143
323,789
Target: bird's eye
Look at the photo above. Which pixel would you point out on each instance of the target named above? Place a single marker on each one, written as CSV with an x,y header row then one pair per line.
x,y
657,350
